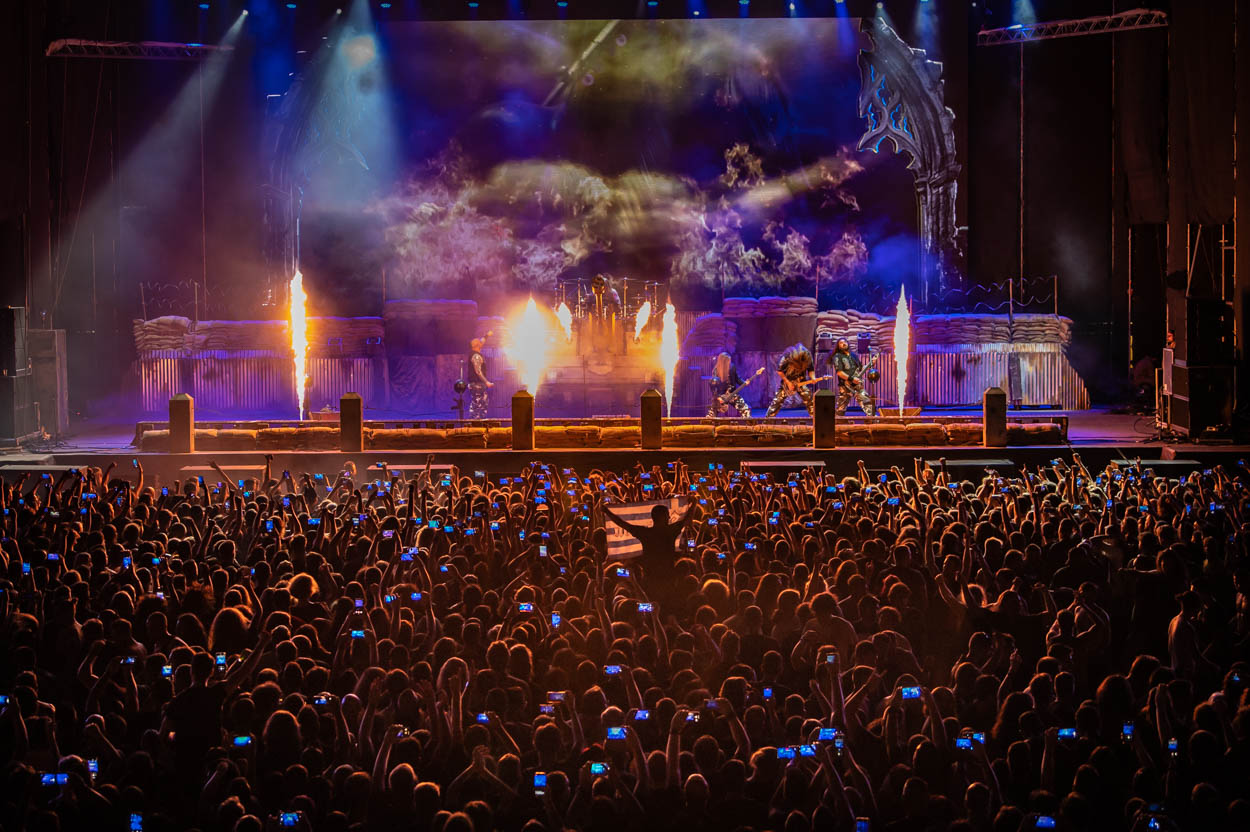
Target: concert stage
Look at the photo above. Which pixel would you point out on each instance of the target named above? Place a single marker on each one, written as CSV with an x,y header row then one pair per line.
x,y
1099,436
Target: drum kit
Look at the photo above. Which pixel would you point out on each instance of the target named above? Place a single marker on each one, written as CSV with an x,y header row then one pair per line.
x,y
604,298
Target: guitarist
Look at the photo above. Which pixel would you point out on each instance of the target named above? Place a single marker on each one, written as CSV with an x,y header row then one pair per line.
x,y
725,383
850,385
794,368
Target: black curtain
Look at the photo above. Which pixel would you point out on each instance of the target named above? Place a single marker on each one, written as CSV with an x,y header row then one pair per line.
x,y
1141,123
1202,105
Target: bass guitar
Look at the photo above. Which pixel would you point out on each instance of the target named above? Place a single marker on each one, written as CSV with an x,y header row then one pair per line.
x,y
722,401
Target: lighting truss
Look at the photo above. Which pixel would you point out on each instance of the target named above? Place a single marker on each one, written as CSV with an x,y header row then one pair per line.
x,y
143,51
1122,22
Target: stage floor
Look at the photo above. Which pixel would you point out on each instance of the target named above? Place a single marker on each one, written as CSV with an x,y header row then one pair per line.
x,y
1099,435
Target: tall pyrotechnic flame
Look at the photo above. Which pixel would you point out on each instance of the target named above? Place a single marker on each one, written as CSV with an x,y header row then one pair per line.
x,y
531,336
902,345
566,320
641,318
299,337
669,353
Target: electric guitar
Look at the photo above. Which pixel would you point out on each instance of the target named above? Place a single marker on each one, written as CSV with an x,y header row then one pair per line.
x,y
855,379
722,401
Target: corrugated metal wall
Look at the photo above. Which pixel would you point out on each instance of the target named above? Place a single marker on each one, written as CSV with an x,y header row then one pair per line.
x,y
939,376
261,382
251,381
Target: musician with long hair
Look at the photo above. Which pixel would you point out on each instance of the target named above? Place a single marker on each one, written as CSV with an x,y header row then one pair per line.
x,y
726,383
796,372
849,370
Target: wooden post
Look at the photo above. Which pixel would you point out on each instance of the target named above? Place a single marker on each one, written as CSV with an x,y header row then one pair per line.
x,y
522,421
994,416
652,405
351,423
182,424
824,423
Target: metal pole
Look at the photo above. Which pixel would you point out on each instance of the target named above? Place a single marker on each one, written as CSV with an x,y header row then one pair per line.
x,y
1129,256
203,199
1020,207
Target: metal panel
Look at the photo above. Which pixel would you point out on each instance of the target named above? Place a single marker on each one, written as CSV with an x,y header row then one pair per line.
x,y
160,379
330,378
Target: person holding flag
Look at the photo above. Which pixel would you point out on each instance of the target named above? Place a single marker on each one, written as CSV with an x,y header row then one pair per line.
x,y
659,542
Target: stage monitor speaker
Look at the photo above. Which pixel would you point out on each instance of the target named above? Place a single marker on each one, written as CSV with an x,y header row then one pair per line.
x,y
19,415
1201,327
1202,398
14,357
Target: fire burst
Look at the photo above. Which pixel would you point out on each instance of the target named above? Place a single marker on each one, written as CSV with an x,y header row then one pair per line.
x,y
902,344
299,338
530,336
640,319
566,320
669,353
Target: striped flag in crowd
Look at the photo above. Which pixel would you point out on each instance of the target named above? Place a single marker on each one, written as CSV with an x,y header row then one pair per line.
x,y
621,544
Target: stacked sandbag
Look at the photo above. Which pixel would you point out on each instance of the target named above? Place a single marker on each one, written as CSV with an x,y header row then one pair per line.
x,y
849,323
407,439
469,438
332,337
303,438
950,328
154,441
239,335
735,436
621,437
926,434
779,307
429,327
164,333
1045,433
1042,329
566,436
709,335
965,433
887,433
740,308
689,436
230,439
771,435
803,436
498,438
856,435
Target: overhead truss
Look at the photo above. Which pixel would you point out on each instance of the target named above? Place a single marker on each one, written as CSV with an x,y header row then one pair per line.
x,y
1121,22
143,51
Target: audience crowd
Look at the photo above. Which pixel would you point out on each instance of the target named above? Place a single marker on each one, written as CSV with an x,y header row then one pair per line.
x,y
932,649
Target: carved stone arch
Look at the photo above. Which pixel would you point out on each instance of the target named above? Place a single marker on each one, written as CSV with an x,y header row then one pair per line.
x,y
901,97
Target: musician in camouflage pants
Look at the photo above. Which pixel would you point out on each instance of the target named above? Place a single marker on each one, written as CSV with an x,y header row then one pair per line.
x,y
795,367
725,383
479,400
850,383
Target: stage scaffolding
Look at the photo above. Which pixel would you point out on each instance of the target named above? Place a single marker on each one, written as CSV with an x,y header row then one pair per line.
x,y
142,51
1122,22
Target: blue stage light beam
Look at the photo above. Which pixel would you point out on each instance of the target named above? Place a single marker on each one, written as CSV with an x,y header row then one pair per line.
x,y
163,166
1022,11
925,27
355,76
